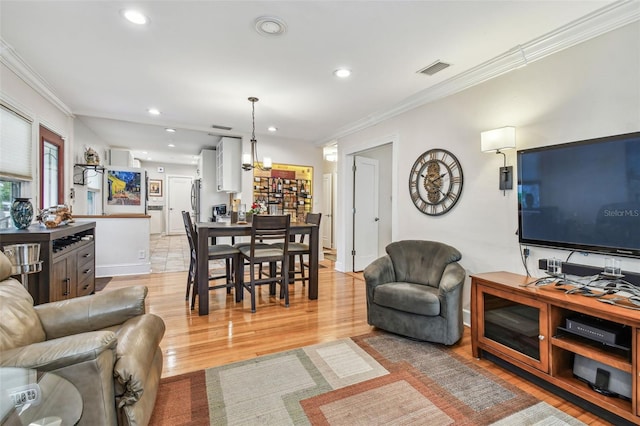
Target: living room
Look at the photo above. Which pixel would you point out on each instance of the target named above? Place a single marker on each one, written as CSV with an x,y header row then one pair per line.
x,y
586,90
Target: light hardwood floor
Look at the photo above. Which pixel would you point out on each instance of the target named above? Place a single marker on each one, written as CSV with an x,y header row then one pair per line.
x,y
232,333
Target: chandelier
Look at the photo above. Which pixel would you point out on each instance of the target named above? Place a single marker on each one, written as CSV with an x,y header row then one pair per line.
x,y
250,161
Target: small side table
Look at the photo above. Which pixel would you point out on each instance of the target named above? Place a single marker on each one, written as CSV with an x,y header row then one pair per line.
x,y
28,396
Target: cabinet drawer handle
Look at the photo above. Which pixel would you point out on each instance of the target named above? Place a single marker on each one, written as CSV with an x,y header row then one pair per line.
x,y
85,287
87,271
541,337
87,255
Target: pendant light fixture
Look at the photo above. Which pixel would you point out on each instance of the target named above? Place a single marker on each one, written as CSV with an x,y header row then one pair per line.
x,y
250,161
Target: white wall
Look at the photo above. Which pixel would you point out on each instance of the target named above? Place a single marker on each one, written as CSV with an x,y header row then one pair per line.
x,y
158,224
587,91
20,96
85,138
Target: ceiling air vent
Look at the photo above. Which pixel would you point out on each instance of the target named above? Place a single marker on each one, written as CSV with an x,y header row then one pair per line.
x,y
215,126
435,67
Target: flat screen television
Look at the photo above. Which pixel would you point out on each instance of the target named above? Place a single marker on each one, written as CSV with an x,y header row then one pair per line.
x,y
582,196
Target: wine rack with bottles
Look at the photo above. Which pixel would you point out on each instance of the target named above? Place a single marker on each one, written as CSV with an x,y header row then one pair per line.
x,y
291,196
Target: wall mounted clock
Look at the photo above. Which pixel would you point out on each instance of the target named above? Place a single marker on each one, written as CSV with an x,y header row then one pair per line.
x,y
435,182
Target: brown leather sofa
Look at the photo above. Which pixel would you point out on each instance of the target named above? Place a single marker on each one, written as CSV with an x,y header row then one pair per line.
x,y
105,344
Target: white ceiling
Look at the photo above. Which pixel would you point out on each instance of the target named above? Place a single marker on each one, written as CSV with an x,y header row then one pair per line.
x,y
199,61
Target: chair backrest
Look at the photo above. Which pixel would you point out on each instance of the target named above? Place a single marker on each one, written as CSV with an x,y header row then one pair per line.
x,y
270,227
191,232
313,219
421,262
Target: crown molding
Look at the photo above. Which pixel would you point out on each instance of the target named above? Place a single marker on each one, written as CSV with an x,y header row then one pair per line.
x,y
601,21
12,60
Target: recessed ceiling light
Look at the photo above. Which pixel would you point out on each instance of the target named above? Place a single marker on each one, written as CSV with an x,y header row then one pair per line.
x,y
170,130
270,26
171,145
135,17
153,111
272,129
342,72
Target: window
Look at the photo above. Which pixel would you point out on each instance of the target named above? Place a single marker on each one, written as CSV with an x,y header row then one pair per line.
x,y
92,197
52,166
15,161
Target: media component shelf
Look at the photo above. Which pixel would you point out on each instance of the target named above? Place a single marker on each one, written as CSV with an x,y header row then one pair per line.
x,y
68,259
582,346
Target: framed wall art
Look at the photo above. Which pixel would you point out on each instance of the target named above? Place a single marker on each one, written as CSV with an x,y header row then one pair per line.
x,y
155,188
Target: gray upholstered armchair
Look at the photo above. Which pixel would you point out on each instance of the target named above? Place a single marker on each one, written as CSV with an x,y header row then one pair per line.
x,y
416,291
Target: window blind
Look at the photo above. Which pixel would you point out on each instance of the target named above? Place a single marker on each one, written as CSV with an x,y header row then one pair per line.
x,y
15,145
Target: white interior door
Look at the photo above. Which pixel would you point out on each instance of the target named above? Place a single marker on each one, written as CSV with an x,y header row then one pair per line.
x,y
327,210
179,199
365,212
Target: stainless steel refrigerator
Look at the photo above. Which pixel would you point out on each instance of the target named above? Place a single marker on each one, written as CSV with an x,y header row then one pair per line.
x,y
196,201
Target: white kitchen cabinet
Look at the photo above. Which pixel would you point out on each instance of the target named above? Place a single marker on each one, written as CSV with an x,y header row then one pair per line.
x,y
228,155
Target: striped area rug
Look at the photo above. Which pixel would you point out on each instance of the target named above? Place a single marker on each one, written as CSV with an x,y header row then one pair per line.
x,y
375,379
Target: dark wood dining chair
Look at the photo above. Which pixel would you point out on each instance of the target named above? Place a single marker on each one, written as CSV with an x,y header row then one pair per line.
x,y
300,248
264,228
229,254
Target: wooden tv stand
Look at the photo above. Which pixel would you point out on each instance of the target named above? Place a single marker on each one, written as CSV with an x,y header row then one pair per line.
x,y
519,325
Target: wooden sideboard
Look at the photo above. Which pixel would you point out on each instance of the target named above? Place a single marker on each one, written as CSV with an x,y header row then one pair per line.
x,y
68,259
524,325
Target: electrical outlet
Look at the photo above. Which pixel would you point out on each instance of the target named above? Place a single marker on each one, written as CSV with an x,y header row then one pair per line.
x,y
141,254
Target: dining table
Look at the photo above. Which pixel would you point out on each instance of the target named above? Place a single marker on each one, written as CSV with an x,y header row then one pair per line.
x,y
212,230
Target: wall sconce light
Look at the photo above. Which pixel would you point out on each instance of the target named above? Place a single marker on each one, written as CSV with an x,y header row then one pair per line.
x,y
496,141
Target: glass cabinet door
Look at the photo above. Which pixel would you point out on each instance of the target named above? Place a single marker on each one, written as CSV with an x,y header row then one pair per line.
x,y
516,326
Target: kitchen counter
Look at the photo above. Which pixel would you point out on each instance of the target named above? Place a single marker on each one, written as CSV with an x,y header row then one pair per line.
x,y
114,216
122,243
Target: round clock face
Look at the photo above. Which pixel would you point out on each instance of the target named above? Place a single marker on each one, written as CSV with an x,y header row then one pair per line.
x,y
435,182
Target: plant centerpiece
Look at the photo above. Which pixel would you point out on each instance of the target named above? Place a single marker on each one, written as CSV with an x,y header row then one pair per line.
x,y
258,207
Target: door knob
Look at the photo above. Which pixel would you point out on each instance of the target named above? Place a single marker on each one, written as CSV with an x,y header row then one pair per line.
x,y
376,219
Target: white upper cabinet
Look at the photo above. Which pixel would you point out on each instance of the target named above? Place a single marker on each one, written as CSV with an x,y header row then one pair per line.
x,y
229,153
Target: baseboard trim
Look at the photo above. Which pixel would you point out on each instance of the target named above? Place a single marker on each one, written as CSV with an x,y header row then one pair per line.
x,y
120,270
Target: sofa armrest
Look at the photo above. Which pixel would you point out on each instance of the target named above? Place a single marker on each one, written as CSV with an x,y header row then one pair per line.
x,y
138,340
450,290
380,271
59,353
452,277
93,312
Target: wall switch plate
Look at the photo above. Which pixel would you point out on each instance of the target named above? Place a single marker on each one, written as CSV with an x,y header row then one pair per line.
x,y
141,254
28,394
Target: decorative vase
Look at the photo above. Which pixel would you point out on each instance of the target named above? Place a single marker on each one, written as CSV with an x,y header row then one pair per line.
x,y
21,213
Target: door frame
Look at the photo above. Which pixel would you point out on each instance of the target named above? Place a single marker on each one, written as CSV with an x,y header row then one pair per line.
x,y
365,232
343,219
327,210
168,202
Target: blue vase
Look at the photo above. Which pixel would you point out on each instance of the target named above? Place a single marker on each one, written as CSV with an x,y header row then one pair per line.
x,y
21,213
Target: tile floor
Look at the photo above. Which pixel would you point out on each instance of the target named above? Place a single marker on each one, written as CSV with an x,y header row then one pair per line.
x,y
171,253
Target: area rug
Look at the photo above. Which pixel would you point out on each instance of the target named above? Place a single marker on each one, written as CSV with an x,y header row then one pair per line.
x,y
375,379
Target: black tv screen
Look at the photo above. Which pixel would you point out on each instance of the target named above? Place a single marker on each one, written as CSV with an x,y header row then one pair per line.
x,y
582,196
